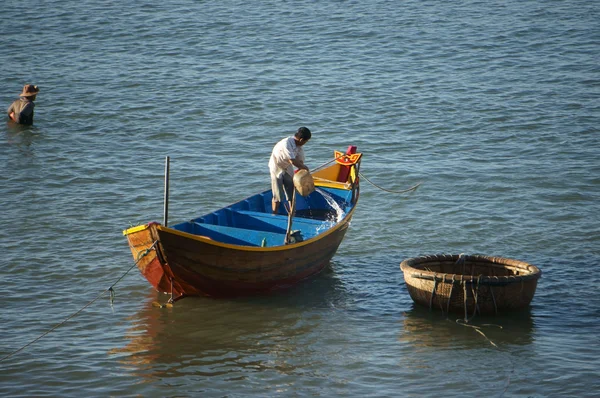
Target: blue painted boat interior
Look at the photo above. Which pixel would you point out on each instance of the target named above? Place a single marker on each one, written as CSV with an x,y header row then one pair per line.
x,y
250,222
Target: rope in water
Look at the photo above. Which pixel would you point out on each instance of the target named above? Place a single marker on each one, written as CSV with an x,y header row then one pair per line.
x,y
388,190
466,320
414,187
478,329
474,288
110,290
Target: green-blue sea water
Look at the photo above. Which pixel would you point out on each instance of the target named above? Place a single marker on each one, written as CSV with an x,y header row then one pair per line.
x,y
493,106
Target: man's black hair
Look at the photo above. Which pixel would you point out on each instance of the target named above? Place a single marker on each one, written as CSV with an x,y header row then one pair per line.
x,y
303,133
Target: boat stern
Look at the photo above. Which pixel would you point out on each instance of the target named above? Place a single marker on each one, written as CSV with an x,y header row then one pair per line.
x,y
144,246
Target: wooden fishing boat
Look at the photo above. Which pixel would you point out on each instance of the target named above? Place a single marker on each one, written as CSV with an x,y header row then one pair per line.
x,y
241,249
470,283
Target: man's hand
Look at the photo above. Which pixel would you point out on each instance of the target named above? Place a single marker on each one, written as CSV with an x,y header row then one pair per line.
x,y
299,164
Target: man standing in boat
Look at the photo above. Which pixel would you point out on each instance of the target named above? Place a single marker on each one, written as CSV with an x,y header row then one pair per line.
x,y
286,154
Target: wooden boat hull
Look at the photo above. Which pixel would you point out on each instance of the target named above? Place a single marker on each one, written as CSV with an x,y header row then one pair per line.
x,y
186,265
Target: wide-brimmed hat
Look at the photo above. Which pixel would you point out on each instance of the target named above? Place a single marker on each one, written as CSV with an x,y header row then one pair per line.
x,y
29,90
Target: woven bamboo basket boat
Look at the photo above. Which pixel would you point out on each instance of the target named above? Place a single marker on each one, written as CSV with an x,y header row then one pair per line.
x,y
470,283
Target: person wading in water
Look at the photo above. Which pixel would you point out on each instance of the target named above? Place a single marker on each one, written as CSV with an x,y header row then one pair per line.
x,y
21,110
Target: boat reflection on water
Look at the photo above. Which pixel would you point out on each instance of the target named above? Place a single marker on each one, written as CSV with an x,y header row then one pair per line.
x,y
432,329
212,337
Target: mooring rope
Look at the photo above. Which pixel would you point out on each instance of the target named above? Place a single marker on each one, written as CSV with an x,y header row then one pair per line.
x,y
464,285
450,295
478,329
328,162
435,283
388,190
443,284
365,177
475,290
494,298
110,290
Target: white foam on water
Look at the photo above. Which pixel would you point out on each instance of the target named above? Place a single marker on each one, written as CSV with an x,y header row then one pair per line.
x,y
333,204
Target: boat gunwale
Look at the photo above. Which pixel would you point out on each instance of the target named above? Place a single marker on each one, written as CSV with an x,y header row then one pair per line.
x,y
339,225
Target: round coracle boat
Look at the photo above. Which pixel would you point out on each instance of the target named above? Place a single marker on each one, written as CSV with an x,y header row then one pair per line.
x,y
470,283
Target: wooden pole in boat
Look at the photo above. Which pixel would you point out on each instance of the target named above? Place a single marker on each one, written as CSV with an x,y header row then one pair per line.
x,y
290,216
166,209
